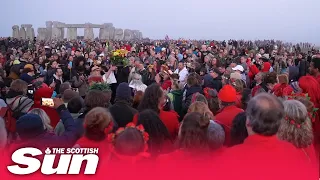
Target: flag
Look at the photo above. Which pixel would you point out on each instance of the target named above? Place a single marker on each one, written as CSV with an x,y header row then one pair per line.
x,y
167,38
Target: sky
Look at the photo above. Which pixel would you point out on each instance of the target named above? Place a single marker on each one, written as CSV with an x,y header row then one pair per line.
x,y
288,20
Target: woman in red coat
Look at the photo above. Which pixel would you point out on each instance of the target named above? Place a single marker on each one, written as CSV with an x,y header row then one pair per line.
x,y
46,92
97,125
155,99
296,128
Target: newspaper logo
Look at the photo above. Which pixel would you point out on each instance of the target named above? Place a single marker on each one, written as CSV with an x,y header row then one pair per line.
x,y
70,161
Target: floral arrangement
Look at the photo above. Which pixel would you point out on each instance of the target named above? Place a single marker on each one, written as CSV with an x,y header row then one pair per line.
x,y
100,86
312,114
145,135
118,57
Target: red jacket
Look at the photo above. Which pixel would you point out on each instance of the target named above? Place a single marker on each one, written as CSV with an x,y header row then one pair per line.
x,y
266,67
166,85
281,90
46,92
253,70
225,118
238,101
266,157
169,118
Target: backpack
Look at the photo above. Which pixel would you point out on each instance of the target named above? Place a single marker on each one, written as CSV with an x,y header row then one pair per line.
x,y
10,115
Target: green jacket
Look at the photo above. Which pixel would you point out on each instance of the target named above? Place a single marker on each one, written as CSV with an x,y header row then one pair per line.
x,y
176,97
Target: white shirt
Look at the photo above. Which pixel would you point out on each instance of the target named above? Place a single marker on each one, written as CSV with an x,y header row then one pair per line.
x,y
182,74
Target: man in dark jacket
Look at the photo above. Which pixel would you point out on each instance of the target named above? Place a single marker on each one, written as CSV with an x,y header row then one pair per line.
x,y
121,111
213,80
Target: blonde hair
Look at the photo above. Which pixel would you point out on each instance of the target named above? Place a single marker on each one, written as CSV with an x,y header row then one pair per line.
x,y
203,109
238,85
296,128
44,117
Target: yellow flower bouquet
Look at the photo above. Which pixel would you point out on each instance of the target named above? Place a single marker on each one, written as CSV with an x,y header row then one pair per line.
x,y
118,57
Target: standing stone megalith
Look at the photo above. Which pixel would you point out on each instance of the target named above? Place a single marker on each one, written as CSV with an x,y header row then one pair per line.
x,y
135,34
112,31
104,32
22,33
15,31
127,35
57,30
118,35
42,33
32,33
72,33
28,28
88,32
49,30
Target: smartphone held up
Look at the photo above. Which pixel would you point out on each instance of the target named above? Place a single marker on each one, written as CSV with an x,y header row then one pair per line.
x,y
48,102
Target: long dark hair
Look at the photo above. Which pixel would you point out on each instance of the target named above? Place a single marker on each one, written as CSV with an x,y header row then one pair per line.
x,y
238,129
193,136
151,98
157,131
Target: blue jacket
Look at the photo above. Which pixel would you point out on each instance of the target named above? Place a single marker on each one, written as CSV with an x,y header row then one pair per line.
x,y
67,139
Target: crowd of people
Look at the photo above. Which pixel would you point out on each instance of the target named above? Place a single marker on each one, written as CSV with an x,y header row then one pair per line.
x,y
240,104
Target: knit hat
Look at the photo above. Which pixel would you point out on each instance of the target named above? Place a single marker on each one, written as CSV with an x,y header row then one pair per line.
x,y
29,126
123,91
227,94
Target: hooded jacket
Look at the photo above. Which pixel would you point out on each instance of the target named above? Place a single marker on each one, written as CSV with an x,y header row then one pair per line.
x,y
46,92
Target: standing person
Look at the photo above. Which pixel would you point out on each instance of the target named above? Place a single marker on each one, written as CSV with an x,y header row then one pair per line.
x,y
213,80
154,98
193,86
228,110
259,85
264,149
56,78
296,127
314,68
182,71
80,82
303,66
121,110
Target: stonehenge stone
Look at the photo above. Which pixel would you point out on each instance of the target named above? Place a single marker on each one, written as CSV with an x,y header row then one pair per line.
x,y
112,33
56,30
127,35
42,32
72,33
29,33
15,31
49,30
22,33
88,32
118,34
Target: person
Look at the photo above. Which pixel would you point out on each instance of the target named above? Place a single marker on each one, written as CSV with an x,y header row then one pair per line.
x,y
137,99
57,79
97,125
282,88
94,98
80,82
136,84
68,95
203,109
296,127
216,136
45,118
160,141
64,86
259,85
193,86
239,85
31,130
46,92
176,96
3,135
154,98
240,70
238,129
74,106
213,80
16,97
314,68
28,74
192,141
263,148
121,110
128,146
182,71
227,98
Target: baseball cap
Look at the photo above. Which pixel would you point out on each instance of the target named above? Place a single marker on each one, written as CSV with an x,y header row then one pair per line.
x,y
238,68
